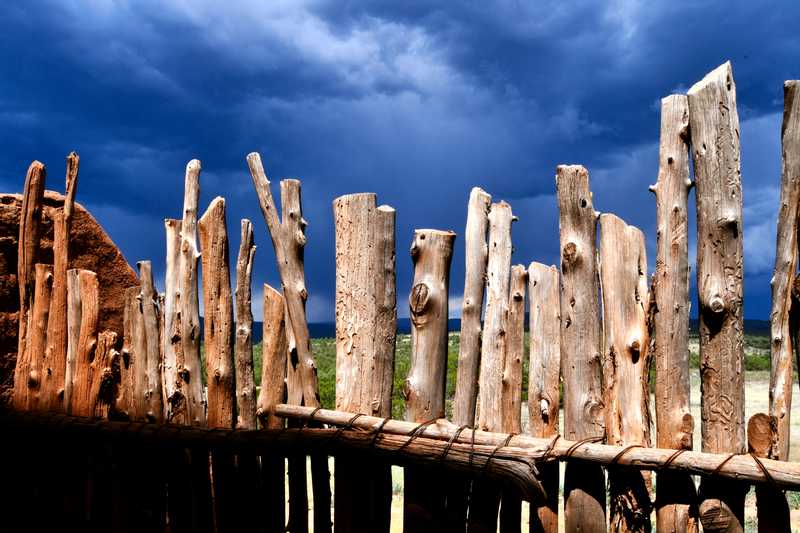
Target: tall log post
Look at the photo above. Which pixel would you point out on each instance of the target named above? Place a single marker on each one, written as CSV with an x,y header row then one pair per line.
x,y
101,372
366,325
190,372
175,407
781,323
245,380
151,393
584,485
218,323
54,377
714,125
28,246
623,274
73,334
543,382
424,388
287,234
511,401
87,296
125,402
37,333
273,392
676,497
773,509
476,254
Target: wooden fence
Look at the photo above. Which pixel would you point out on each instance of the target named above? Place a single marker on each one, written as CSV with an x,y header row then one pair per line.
x,y
142,430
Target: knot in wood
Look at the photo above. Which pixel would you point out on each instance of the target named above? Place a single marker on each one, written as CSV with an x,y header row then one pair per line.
x,y
716,304
419,299
570,253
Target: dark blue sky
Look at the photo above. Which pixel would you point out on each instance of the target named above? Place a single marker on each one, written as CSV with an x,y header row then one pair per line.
x,y
416,101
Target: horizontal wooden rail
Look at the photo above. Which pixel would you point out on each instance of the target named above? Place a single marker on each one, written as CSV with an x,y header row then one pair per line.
x,y
743,467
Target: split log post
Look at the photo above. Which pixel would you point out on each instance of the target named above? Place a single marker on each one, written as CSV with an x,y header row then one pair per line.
x,y
714,126
772,507
151,320
469,355
783,318
366,325
543,382
485,498
584,485
175,407
245,380
190,372
623,275
424,388
287,234
27,251
273,392
87,298
54,378
36,343
511,412
676,497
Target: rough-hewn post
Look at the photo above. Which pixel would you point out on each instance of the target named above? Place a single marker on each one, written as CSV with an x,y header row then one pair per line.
x,y
714,126
424,388
101,374
218,323
780,390
245,380
190,373
28,245
676,497
174,395
476,254
124,404
151,358
366,325
543,382
623,274
73,334
772,507
37,333
584,485
87,296
54,377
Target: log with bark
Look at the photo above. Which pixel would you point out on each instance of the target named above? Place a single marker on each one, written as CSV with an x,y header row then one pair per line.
x,y
623,274
543,382
584,485
676,499
424,387
714,125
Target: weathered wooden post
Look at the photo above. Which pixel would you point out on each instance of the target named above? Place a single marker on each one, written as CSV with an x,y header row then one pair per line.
x,y
54,378
37,333
175,405
773,509
476,254
544,371
273,392
27,248
190,373
623,274
424,388
126,387
366,325
83,295
245,380
149,362
676,497
287,234
584,485
714,126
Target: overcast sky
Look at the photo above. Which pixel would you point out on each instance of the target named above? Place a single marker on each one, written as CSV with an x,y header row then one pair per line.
x,y
416,101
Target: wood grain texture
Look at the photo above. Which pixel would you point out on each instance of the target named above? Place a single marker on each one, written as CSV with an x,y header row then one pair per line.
x,y
581,368
190,372
124,404
27,247
714,125
37,334
245,379
676,500
476,255
150,380
772,507
82,402
273,352
544,371
175,408
783,317
218,311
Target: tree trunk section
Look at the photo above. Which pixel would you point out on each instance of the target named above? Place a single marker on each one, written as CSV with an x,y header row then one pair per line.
x,y
772,507
150,320
714,125
543,383
245,380
54,378
623,274
88,290
584,485
174,386
28,246
424,388
37,334
124,404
